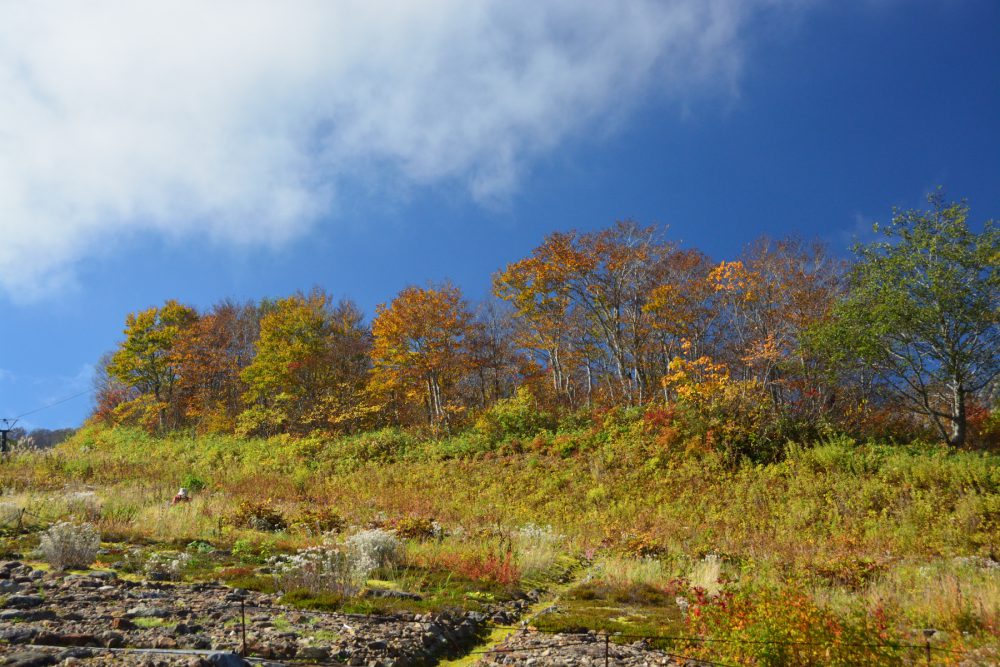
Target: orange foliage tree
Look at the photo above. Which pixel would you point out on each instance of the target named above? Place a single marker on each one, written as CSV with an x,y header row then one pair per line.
x,y
211,355
419,350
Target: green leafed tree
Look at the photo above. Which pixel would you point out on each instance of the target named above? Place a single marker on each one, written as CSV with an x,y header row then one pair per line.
x,y
311,364
924,312
146,362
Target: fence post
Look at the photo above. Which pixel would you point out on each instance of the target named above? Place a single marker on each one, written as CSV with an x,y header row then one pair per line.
x,y
607,649
243,624
928,633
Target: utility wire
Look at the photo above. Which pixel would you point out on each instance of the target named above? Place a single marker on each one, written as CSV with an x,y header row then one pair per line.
x,y
52,405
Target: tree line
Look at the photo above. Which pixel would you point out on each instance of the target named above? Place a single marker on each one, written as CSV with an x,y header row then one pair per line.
x,y
784,340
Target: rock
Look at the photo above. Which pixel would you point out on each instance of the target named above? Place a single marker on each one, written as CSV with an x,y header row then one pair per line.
x,y
143,611
29,659
10,615
102,575
112,639
75,652
186,629
68,639
387,593
17,635
227,660
317,653
7,587
24,602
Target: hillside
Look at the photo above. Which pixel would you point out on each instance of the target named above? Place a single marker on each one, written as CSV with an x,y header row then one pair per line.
x,y
870,541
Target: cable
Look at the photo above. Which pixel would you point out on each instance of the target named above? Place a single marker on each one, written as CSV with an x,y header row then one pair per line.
x,y
52,405
774,642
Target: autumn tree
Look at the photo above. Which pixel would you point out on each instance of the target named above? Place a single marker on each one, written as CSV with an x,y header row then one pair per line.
x,y
309,369
767,302
494,361
420,348
602,281
212,354
618,270
924,311
682,312
109,391
147,363
538,289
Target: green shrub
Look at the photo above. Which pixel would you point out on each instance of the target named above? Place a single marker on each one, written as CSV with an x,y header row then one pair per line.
x,y
252,551
262,516
318,520
414,527
776,627
515,417
192,482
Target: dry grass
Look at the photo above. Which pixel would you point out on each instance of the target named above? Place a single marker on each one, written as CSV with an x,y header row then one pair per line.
x,y
958,593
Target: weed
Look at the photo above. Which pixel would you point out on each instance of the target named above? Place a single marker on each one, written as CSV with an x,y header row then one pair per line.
x,y
66,545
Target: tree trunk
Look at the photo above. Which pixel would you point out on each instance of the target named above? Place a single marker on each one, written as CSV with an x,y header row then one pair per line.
x,y
958,418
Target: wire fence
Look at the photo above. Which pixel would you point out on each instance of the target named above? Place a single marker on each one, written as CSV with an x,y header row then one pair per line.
x,y
927,649
673,646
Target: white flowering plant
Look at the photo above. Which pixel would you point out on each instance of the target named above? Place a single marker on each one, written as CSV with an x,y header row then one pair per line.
x,y
67,545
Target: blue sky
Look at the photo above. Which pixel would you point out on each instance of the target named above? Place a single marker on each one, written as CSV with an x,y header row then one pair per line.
x,y
253,158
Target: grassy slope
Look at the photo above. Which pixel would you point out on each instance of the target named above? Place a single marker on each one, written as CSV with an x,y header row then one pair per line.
x,y
857,529
832,500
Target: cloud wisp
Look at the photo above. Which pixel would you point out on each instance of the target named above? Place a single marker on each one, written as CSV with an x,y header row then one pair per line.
x,y
241,121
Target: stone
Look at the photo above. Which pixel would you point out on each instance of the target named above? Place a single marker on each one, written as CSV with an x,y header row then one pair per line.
x,y
227,660
29,659
123,624
388,593
77,652
103,575
7,587
66,639
318,653
17,635
143,611
24,602
9,615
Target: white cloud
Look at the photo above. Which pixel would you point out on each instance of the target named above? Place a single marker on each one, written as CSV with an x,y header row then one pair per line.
x,y
238,121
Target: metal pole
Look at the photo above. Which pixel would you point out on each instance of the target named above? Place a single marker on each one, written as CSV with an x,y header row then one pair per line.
x,y
607,649
5,427
928,633
243,624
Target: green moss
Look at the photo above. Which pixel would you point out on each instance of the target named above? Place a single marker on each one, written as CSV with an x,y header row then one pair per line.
x,y
575,615
252,582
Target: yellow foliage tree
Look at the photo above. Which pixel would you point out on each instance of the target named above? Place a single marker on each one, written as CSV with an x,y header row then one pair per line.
x,y
419,348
